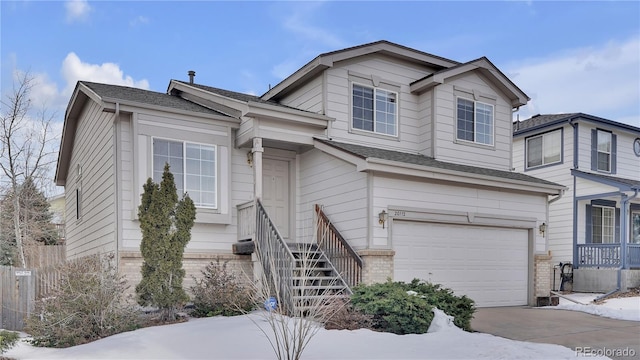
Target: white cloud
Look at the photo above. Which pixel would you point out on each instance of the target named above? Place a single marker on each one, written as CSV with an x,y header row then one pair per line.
x,y
599,80
77,10
74,69
139,20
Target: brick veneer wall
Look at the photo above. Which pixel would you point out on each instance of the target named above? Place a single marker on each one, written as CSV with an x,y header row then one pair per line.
x,y
542,275
193,264
377,265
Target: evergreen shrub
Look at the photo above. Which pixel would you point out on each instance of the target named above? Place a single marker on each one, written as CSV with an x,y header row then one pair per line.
x,y
407,308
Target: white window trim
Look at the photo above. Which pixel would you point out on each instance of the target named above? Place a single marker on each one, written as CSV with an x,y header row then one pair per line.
x,y
609,153
184,152
475,123
543,136
613,221
375,88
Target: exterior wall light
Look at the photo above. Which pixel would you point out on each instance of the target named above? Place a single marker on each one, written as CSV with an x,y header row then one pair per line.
x,y
382,218
542,228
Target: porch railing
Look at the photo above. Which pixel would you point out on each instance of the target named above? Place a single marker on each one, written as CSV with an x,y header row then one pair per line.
x,y
246,220
346,261
633,251
276,258
598,255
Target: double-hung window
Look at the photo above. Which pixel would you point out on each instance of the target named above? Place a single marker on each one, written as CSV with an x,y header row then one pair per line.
x,y
603,151
603,225
544,149
193,166
375,110
475,121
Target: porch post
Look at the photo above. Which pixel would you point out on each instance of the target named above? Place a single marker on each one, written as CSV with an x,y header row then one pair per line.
x,y
624,210
257,151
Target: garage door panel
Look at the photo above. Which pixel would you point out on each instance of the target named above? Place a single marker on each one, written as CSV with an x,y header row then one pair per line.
x,y
489,265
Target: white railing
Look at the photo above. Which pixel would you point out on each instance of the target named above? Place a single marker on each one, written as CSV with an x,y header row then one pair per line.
x,y
246,220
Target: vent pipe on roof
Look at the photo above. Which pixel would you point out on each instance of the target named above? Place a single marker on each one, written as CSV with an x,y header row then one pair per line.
x,y
191,74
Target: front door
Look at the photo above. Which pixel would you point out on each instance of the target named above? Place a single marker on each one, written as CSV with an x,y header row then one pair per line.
x,y
275,196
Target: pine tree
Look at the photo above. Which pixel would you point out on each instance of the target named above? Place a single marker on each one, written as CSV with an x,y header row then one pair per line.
x,y
35,219
166,229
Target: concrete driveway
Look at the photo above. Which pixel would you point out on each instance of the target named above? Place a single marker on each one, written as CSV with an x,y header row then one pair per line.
x,y
573,329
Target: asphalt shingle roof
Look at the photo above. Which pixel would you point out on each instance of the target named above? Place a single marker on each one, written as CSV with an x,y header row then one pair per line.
x,y
635,184
365,152
125,93
540,120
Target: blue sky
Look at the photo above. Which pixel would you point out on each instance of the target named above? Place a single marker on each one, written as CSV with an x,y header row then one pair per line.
x,y
567,56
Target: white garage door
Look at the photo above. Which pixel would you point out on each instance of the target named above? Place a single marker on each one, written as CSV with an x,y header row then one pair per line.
x,y
487,264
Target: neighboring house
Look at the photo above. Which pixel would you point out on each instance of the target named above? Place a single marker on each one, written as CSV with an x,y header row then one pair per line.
x,y
598,160
56,207
408,155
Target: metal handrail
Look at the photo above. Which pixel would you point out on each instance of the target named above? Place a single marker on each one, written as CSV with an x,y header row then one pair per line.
x,y
343,257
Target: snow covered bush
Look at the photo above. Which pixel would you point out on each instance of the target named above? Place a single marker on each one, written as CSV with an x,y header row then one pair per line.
x,y
407,308
88,304
219,293
7,340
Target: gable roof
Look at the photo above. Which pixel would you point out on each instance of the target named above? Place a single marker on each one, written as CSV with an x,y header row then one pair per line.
x,y
539,122
122,94
368,153
111,97
326,60
485,67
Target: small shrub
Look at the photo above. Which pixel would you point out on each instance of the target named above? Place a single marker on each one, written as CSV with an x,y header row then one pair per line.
x,y
88,304
344,316
403,308
8,339
219,293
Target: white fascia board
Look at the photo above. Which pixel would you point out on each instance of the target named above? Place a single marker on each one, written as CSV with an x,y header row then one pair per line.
x,y
314,66
394,167
235,104
258,110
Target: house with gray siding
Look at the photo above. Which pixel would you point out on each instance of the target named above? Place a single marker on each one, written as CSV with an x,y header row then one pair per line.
x,y
595,226
404,157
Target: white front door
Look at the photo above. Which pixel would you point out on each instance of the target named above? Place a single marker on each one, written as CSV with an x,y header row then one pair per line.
x,y
275,193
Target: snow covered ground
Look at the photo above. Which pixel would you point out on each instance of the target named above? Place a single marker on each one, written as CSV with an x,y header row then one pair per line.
x,y
239,338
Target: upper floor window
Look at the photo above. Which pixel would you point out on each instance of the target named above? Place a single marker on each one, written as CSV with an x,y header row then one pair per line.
x,y
193,167
475,121
603,151
375,110
544,149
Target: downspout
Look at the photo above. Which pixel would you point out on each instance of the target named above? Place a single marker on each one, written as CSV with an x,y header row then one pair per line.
x,y
623,241
116,180
574,125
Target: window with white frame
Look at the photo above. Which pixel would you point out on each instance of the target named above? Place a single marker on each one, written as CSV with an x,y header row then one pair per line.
x,y
193,167
375,110
603,225
604,151
475,121
544,149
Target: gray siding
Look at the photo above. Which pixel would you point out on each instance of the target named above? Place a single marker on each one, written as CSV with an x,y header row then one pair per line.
x,y
448,148
308,97
336,185
235,176
393,75
560,220
93,151
400,192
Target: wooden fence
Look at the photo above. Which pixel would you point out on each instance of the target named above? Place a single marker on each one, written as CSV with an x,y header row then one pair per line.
x,y
20,287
